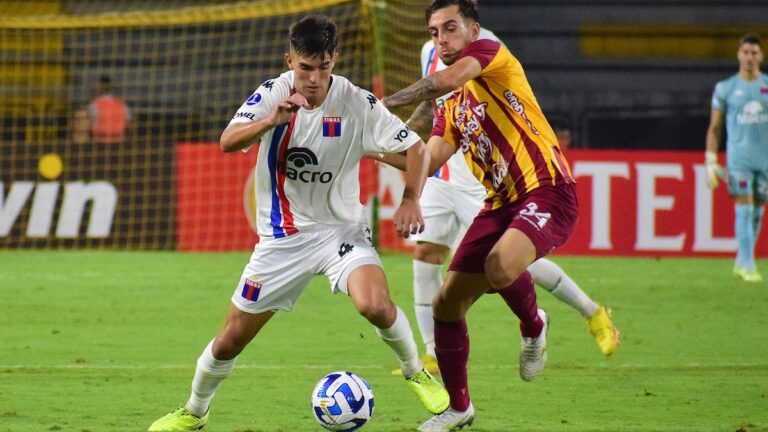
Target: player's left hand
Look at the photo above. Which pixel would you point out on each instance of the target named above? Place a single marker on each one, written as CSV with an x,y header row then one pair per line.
x,y
714,170
408,219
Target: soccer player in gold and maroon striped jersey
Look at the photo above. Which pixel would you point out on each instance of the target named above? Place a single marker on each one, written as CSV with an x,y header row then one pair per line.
x,y
493,118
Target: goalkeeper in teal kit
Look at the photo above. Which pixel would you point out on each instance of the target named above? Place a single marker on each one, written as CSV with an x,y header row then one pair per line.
x,y
742,101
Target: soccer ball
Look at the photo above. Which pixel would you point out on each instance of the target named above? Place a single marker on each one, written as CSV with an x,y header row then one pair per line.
x,y
342,401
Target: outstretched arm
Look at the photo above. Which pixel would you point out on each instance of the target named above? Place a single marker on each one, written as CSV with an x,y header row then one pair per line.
x,y
436,84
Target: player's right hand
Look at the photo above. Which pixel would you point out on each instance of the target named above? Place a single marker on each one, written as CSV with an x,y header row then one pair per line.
x,y
287,107
714,170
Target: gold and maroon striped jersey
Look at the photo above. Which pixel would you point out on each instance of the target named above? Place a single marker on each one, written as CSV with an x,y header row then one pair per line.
x,y
497,123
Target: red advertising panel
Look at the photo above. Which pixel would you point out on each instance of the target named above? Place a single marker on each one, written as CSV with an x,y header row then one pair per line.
x,y
650,203
212,191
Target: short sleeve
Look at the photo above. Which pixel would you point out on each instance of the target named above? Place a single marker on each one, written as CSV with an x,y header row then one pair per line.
x,y
385,132
718,97
482,50
262,101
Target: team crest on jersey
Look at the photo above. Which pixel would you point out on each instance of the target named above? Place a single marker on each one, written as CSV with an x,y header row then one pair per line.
x,y
251,289
331,127
764,90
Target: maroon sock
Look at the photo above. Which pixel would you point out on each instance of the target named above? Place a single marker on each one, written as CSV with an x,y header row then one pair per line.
x,y
521,298
452,350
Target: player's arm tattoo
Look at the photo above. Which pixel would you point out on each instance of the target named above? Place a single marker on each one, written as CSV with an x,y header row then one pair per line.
x,y
424,89
421,119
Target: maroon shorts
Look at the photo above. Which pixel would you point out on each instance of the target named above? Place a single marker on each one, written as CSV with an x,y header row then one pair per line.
x,y
547,215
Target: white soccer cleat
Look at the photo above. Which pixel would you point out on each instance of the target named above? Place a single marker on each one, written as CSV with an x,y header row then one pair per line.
x,y
449,420
533,351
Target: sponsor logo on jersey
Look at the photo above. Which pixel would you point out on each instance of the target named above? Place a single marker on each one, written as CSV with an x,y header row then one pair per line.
x,y
499,171
372,100
253,99
518,107
402,134
479,110
251,289
242,114
752,113
331,127
484,147
344,249
303,160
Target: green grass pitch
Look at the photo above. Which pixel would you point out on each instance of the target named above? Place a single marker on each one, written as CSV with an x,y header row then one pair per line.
x,y
107,341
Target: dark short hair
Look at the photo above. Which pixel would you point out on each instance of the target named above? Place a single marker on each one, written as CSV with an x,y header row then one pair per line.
x,y
467,8
313,35
750,38
105,79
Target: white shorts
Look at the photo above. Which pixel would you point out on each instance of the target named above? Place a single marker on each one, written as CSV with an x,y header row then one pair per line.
x,y
448,212
280,269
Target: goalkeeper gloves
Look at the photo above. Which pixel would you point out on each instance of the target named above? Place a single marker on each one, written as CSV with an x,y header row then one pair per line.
x,y
714,170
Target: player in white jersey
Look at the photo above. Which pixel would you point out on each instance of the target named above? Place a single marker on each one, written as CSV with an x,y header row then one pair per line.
x,y
450,201
312,128
741,103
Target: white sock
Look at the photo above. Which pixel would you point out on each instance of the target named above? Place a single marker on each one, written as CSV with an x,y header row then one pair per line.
x,y
427,281
552,278
208,376
399,337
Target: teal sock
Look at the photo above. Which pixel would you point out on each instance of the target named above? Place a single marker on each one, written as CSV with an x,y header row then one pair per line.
x,y
745,236
757,219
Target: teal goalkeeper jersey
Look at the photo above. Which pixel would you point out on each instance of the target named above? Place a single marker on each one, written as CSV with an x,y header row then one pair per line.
x,y
745,105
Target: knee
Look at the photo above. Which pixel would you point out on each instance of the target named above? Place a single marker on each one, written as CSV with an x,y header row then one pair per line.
x,y
430,253
447,308
501,274
381,314
439,304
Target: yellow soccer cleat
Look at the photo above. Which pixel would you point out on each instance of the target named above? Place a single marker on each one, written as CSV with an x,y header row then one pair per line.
x,y
430,364
738,272
431,393
180,420
747,275
751,276
602,328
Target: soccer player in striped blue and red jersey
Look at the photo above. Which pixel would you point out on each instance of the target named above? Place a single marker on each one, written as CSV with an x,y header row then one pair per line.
x,y
530,207
310,129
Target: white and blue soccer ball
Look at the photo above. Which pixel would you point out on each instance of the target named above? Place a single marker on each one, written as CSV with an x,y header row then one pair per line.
x,y
342,401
